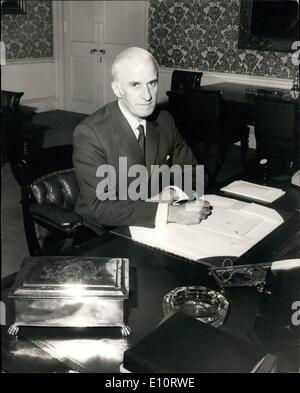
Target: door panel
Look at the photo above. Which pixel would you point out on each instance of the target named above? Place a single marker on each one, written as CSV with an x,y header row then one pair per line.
x,y
129,29
81,93
111,26
82,21
82,90
115,37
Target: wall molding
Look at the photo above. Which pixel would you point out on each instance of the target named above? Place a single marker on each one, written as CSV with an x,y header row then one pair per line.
x,y
41,104
217,77
35,79
210,78
30,60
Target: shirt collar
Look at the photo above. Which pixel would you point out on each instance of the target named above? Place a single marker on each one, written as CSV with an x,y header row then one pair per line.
x,y
132,120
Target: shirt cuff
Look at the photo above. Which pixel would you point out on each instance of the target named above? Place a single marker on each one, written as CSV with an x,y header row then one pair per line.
x,y
179,195
161,217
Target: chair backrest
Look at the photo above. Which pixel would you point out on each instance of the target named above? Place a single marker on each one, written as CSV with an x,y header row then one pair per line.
x,y
185,79
45,161
58,188
48,176
204,108
195,111
276,130
10,100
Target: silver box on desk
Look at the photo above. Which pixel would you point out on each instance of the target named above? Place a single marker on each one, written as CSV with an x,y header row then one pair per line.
x,y
71,292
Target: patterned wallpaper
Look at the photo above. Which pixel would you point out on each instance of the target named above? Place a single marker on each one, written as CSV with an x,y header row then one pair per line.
x,y
29,35
203,34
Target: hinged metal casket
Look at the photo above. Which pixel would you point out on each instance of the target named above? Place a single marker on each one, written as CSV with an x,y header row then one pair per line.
x,y
71,291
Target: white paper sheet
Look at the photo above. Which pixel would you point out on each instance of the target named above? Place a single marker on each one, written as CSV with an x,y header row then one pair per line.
x,y
253,191
246,225
230,222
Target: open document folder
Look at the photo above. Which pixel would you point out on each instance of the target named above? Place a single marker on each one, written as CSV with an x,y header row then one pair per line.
x,y
231,230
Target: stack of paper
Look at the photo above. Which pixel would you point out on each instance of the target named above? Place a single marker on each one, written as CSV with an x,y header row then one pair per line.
x,y
253,191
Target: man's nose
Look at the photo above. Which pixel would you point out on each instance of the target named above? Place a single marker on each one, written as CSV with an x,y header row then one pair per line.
x,y
146,93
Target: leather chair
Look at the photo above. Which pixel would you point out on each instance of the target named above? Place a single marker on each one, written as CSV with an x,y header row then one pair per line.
x,y
185,79
277,132
10,100
203,116
49,192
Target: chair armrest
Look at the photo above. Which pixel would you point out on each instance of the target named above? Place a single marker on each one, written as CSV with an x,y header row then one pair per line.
x,y
56,216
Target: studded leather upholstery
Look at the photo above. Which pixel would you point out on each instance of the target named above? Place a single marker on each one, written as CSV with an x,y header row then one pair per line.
x,y
49,192
58,188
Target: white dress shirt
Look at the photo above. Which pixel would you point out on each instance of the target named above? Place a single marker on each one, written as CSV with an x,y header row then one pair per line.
x,y
161,217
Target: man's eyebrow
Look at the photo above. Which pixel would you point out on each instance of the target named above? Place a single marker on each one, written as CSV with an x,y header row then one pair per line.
x,y
138,82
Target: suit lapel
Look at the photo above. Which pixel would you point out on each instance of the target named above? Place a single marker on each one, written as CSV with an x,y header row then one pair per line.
x,y
152,140
124,137
127,142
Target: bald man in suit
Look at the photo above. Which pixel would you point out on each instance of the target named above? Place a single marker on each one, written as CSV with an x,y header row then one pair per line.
x,y
114,131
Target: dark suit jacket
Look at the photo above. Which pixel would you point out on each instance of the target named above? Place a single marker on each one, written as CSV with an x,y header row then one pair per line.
x,y
102,138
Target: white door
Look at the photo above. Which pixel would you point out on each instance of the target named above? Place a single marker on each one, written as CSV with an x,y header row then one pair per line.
x,y
94,33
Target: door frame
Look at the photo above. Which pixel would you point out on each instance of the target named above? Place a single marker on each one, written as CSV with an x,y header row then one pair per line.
x,y
58,47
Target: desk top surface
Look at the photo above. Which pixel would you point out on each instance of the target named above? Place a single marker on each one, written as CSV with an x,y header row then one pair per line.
x,y
152,275
20,113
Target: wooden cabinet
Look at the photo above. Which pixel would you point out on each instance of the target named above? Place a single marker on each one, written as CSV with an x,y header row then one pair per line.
x,y
16,128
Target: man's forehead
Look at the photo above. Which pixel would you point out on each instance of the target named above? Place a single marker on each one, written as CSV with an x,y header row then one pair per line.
x,y
136,67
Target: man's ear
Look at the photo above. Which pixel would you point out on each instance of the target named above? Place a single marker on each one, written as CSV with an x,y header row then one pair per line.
x,y
116,89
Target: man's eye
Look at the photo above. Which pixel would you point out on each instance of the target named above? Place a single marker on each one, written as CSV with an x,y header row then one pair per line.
x,y
135,84
153,83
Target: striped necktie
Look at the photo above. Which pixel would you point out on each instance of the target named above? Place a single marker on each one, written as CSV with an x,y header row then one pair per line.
x,y
141,138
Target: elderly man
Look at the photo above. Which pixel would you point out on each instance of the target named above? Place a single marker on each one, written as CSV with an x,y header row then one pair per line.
x,y
130,128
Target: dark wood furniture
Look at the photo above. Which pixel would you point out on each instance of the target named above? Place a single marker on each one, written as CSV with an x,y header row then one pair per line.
x,y
185,79
203,116
152,275
277,133
16,127
245,93
276,109
10,100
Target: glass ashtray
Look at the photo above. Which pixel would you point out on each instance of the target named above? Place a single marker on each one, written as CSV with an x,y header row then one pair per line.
x,y
202,303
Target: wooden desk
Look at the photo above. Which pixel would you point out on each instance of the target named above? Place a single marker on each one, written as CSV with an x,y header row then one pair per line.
x,y
152,275
239,92
273,113
238,96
